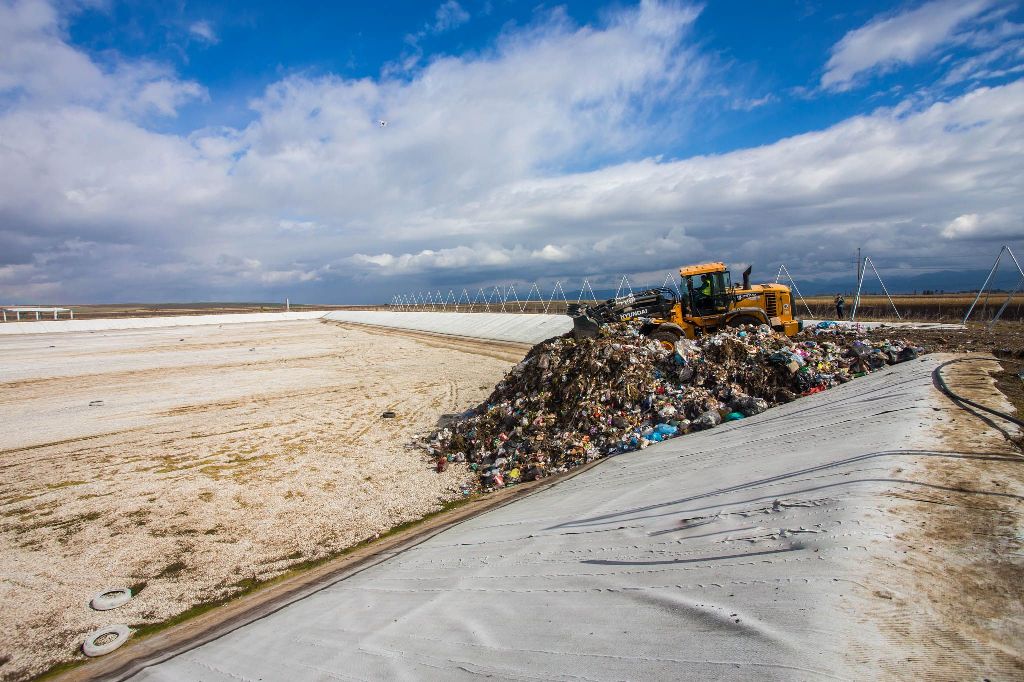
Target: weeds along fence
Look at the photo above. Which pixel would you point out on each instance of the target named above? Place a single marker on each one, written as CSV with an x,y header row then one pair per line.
x,y
924,308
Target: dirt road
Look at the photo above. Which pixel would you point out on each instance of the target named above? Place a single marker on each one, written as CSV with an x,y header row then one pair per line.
x,y
190,463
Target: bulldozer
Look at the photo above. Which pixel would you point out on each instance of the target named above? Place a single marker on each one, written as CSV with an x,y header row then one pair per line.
x,y
709,302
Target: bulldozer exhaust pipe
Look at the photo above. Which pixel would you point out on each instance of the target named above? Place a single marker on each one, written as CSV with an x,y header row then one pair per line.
x,y
746,277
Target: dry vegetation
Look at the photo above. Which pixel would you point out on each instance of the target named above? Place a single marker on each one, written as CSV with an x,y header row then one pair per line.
x,y
923,308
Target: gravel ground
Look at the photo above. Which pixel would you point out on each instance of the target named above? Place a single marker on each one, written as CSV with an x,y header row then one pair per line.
x,y
1005,339
192,462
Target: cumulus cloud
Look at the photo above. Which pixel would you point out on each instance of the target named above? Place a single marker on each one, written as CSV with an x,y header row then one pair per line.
x,y
39,70
534,159
890,41
892,181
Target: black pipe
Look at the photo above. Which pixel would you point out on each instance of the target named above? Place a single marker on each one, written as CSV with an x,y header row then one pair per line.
x,y
746,277
940,383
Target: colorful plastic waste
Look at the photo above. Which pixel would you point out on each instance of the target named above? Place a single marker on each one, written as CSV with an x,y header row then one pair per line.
x,y
572,401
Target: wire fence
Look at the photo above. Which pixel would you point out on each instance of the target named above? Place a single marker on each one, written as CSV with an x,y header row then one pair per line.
x,y
507,299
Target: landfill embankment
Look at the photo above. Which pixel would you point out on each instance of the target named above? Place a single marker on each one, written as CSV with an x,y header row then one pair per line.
x,y
870,532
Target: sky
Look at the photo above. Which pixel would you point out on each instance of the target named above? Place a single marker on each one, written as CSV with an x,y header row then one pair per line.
x,y
350,152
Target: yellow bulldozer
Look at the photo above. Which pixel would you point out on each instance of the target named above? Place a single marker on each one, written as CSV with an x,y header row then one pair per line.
x,y
709,302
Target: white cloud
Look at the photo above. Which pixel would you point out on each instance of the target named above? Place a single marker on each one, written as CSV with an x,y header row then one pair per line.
x,y
476,256
892,182
477,177
204,31
448,16
989,64
751,103
39,69
299,225
889,41
993,225
164,96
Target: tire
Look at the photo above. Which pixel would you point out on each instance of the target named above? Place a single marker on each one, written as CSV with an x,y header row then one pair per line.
x,y
666,337
91,648
743,319
110,598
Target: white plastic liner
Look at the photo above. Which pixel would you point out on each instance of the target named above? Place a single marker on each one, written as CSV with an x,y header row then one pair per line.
x,y
513,327
48,327
750,551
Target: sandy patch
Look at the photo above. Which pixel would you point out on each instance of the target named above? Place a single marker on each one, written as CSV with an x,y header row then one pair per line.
x,y
191,462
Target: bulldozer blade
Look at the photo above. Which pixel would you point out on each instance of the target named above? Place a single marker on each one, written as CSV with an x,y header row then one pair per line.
x,y
584,328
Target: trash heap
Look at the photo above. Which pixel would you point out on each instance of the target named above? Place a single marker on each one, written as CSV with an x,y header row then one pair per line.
x,y
571,401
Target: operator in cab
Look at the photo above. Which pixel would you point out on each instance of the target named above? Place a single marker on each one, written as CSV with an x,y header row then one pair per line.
x,y
705,286
703,294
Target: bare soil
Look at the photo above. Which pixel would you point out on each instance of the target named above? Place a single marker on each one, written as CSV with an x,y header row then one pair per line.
x,y
192,463
956,594
1003,340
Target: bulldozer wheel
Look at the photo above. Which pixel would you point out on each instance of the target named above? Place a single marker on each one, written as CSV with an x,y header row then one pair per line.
x,y
743,319
666,338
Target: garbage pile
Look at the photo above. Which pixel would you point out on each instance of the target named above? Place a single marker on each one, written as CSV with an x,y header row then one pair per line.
x,y
571,401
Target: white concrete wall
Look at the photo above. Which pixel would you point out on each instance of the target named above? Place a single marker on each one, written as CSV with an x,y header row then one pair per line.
x,y
514,327
51,326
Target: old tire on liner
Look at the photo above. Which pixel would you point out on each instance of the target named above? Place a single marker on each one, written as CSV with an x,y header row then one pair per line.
x,y
92,649
110,598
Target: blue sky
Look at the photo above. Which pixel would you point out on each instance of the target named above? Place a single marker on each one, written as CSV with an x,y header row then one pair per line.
x,y
768,50
212,151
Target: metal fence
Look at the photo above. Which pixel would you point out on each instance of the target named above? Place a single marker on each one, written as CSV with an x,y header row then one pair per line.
x,y
506,299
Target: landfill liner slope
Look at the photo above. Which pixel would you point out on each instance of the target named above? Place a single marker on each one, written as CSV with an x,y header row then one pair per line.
x,y
757,550
508,327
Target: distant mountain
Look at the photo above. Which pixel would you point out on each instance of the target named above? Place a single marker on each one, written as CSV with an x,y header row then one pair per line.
x,y
946,281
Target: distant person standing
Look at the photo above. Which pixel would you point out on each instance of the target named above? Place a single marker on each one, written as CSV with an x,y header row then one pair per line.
x,y
839,306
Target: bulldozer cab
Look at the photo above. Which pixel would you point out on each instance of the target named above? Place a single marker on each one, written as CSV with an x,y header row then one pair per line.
x,y
708,288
